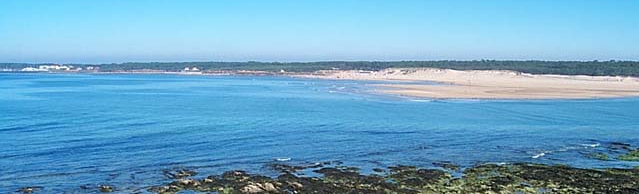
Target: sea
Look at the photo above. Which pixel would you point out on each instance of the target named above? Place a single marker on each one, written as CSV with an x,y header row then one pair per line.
x,y
63,132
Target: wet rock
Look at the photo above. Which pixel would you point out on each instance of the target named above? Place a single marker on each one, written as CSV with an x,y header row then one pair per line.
x,y
619,146
489,178
285,168
182,173
349,180
562,179
447,165
259,188
208,180
378,170
105,188
251,189
30,189
188,183
270,187
348,168
165,189
401,168
338,173
236,175
296,185
599,156
414,177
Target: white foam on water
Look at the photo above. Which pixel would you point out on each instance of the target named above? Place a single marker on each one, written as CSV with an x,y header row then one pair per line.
x,y
590,145
462,101
542,154
282,159
539,155
421,100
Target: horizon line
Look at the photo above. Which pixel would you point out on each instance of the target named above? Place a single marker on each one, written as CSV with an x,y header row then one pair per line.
x,y
322,61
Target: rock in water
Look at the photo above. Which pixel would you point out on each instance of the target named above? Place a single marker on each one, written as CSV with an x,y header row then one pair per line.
x,y
29,189
105,188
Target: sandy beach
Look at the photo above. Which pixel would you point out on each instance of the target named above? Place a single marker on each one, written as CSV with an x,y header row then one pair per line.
x,y
479,84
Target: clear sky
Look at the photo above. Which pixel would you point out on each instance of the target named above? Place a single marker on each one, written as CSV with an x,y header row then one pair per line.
x,y
87,31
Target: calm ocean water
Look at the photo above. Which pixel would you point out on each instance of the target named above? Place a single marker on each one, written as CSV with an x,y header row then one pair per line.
x,y
61,131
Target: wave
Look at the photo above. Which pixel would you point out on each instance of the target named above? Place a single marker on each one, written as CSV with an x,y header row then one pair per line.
x,y
542,154
421,100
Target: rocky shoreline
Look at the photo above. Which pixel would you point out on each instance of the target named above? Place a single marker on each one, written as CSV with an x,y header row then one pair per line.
x,y
445,177
488,178
335,178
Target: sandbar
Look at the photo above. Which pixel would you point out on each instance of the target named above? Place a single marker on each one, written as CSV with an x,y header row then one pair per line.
x,y
489,84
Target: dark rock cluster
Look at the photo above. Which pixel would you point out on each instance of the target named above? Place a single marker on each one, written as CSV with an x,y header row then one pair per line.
x,y
489,178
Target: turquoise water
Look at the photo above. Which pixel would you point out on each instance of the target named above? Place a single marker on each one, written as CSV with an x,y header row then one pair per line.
x,y
61,131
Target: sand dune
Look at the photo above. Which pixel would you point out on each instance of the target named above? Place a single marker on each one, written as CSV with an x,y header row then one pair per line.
x,y
479,84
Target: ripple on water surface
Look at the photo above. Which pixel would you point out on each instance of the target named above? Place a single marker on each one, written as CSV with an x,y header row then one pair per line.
x,y
62,131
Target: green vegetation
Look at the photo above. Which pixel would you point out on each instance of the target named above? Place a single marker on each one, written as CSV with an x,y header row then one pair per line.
x,y
609,68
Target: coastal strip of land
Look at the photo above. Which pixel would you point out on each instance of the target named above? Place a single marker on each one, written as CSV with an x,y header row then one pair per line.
x,y
488,84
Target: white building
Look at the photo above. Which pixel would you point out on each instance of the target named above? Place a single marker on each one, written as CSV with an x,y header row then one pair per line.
x,y
91,68
32,69
55,67
191,69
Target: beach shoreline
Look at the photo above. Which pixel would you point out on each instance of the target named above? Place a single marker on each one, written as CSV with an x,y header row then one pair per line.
x,y
489,84
453,84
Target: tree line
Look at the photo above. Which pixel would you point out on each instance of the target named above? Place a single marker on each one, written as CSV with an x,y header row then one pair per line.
x,y
601,68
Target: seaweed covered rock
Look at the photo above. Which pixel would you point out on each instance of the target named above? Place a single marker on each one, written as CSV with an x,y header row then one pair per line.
x,y
534,178
30,189
231,181
447,165
632,155
619,146
488,178
414,180
349,180
178,174
105,188
599,156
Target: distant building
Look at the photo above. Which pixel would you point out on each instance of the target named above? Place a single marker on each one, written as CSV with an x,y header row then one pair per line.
x,y
191,69
32,69
92,68
55,67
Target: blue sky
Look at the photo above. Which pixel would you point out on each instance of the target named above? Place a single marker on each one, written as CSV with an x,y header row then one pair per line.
x,y
80,31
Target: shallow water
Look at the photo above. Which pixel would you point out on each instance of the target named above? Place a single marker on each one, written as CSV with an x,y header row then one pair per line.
x,y
62,131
